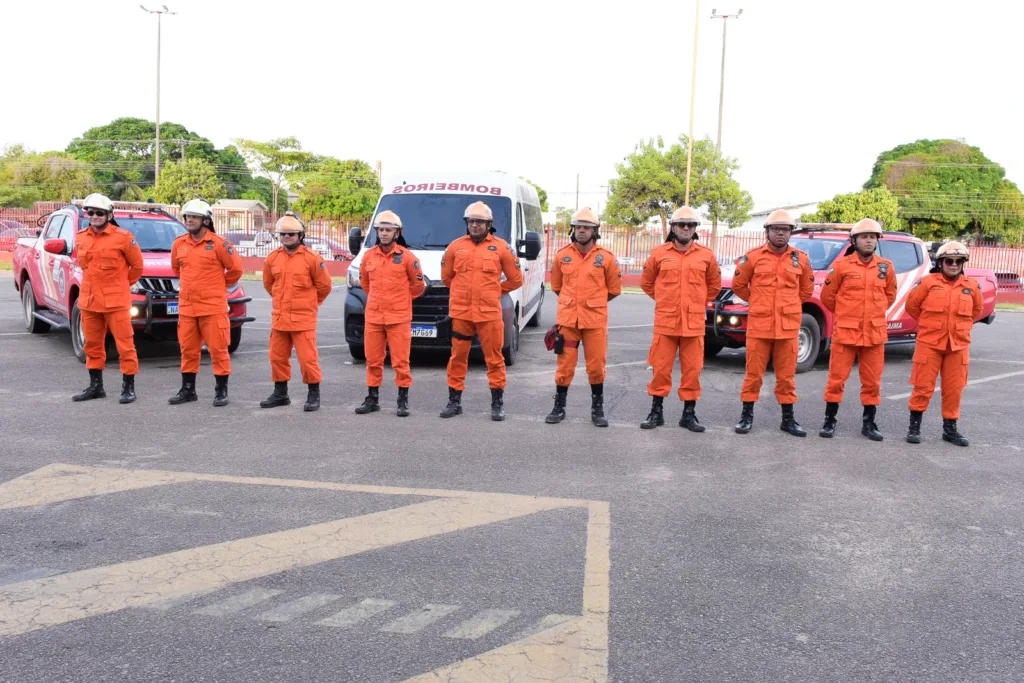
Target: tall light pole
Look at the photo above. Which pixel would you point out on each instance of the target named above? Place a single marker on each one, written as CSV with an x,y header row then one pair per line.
x,y
159,15
693,89
721,90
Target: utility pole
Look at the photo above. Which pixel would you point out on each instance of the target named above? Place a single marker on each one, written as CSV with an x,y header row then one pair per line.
x,y
577,191
159,14
721,89
693,90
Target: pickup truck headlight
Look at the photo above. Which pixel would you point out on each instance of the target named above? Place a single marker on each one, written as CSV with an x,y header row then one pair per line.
x,y
352,278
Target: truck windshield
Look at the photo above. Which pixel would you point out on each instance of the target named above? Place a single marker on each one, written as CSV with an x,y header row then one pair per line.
x,y
433,221
821,251
152,235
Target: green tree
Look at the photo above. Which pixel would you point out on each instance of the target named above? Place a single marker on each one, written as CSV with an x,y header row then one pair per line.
x,y
332,187
878,203
263,190
563,214
947,188
27,177
275,160
542,195
189,179
652,182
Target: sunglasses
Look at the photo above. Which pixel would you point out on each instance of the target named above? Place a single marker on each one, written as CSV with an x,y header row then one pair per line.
x,y
779,230
90,213
953,261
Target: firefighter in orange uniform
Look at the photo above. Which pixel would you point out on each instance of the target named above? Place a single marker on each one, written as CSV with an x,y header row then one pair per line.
x,y
206,266
775,279
681,276
585,277
945,304
391,277
859,289
471,268
298,283
111,263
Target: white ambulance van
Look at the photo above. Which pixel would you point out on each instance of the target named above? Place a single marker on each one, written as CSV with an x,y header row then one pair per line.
x,y
431,206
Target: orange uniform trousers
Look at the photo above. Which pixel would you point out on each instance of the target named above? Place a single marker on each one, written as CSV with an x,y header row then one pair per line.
x,y
662,358
595,352
304,342
215,331
783,354
95,326
492,337
928,362
379,338
872,362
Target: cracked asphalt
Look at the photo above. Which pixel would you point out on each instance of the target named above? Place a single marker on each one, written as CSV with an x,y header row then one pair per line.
x,y
732,558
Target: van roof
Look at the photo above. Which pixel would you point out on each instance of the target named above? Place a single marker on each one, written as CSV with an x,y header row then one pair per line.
x,y
486,183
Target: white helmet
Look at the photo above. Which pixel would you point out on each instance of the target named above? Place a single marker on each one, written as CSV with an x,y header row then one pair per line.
x,y
197,207
98,201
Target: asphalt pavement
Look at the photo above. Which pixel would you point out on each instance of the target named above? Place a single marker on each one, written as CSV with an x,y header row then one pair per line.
x,y
151,542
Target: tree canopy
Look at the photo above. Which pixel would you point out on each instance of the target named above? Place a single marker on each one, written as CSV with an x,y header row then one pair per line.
x,y
542,194
27,177
275,160
652,182
189,179
333,187
878,203
946,188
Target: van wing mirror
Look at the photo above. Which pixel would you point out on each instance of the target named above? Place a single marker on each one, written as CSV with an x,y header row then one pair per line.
x,y
55,246
355,240
529,247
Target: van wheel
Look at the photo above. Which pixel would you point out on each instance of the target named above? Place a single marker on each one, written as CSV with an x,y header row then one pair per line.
x,y
28,302
358,351
511,351
809,345
236,339
535,320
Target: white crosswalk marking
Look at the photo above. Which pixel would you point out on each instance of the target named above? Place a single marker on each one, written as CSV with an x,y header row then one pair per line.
x,y
550,621
296,608
237,603
357,613
482,624
416,621
31,574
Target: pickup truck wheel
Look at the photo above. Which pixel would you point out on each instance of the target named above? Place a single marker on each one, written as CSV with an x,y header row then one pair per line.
x,y
358,351
28,303
236,339
712,348
809,343
77,333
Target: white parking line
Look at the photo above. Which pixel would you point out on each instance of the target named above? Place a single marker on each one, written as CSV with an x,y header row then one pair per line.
x,y
971,382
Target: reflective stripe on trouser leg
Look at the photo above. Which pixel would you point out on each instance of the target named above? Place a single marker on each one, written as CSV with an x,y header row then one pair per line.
x,y
190,342
954,378
872,363
661,357
758,353
280,356
784,352
94,327
691,362
120,325
399,343
375,347
492,338
840,363
927,362
458,364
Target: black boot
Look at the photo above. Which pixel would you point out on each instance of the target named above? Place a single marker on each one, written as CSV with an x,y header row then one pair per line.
x,y
914,433
95,388
597,405
950,434
557,413
689,419
656,417
220,394
828,430
278,397
789,423
497,405
746,422
454,406
371,404
127,389
187,393
312,398
870,429
403,402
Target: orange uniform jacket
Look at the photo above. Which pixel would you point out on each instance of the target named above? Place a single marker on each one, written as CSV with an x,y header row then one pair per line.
x,y
775,285
206,269
111,263
945,311
391,281
473,273
859,294
584,283
681,283
297,284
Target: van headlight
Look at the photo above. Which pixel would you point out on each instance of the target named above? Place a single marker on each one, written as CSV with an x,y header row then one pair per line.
x,y
352,277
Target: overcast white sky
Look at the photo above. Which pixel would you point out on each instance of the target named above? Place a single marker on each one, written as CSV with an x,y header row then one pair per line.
x,y
546,89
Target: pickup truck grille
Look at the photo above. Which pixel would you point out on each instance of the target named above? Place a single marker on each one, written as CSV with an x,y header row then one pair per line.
x,y
159,285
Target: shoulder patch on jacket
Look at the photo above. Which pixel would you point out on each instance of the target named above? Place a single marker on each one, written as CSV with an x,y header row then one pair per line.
x,y
492,248
134,243
567,259
322,266
742,260
967,290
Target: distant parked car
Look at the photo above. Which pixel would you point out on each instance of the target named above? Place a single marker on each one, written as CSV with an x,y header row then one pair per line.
x,y
10,231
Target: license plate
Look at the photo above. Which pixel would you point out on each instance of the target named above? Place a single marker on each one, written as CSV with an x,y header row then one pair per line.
x,y
172,308
424,331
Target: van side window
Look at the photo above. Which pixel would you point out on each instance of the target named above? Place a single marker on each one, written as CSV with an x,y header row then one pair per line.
x,y
534,220
520,229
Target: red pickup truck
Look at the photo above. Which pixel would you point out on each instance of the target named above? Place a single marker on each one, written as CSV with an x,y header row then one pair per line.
x,y
47,275
727,315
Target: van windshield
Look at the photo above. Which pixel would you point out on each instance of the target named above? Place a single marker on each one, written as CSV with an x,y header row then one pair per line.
x,y
433,221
